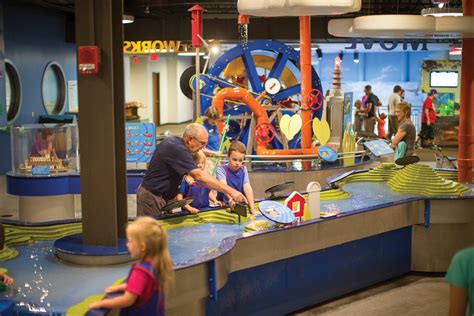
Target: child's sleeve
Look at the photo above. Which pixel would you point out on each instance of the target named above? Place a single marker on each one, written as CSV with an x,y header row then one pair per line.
x,y
246,176
220,174
136,283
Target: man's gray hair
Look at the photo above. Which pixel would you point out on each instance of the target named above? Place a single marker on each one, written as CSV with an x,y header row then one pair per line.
x,y
193,130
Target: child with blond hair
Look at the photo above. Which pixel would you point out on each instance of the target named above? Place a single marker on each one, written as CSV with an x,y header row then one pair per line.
x,y
195,190
149,277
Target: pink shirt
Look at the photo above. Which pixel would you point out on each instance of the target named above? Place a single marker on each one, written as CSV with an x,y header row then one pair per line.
x,y
141,284
38,146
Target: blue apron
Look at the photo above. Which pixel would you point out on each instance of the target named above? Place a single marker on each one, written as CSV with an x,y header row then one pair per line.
x,y
234,179
200,195
150,307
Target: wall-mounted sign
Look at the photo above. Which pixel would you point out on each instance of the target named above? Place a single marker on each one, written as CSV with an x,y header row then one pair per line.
x,y
140,141
158,47
391,44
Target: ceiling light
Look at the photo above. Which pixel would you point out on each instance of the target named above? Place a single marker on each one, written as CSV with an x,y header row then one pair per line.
x,y
341,55
215,50
126,19
319,53
356,57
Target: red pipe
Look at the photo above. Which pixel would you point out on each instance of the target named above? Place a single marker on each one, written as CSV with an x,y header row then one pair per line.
x,y
261,115
466,115
305,66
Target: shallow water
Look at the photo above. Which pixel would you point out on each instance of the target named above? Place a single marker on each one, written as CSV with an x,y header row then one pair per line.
x,y
41,281
36,270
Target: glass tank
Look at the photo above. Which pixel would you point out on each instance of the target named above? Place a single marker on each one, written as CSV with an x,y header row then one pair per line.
x,y
45,149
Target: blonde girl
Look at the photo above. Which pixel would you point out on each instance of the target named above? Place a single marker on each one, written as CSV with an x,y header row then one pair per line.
x,y
194,189
149,277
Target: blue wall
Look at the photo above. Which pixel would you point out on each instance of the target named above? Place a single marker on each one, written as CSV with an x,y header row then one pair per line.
x,y
382,70
34,37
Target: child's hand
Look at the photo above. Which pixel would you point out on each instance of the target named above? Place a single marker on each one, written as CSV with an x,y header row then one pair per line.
x,y
192,210
7,280
95,305
113,288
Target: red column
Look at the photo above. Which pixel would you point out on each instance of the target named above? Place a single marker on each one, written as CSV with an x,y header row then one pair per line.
x,y
466,117
305,67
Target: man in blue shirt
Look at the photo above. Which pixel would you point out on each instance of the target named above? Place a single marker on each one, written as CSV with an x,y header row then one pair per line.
x,y
171,161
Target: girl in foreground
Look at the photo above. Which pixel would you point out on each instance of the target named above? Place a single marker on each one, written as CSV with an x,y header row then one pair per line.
x,y
148,279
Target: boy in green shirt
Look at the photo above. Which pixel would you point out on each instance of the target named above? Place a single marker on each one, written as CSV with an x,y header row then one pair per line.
x,y
460,277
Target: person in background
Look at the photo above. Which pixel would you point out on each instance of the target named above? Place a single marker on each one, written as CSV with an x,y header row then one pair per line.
x,y
404,140
149,278
372,101
392,118
194,189
235,175
460,277
210,119
428,120
171,161
381,125
402,95
359,116
44,145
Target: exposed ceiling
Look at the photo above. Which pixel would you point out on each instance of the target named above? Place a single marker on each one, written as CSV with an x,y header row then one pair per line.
x,y
170,19
152,9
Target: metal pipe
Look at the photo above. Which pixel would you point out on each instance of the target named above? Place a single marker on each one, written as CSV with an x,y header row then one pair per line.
x,y
305,66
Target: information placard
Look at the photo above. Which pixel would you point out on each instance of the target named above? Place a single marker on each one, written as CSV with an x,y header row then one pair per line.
x,y
140,141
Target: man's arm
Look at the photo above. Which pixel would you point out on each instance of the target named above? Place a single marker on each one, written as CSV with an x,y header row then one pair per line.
x,y
427,113
213,184
369,107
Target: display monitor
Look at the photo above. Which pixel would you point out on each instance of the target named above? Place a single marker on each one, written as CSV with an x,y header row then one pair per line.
x,y
444,79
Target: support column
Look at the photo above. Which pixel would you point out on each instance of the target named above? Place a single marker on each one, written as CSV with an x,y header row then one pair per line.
x,y
305,68
466,117
102,124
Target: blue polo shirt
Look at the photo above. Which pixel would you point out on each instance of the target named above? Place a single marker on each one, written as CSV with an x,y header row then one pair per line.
x,y
171,161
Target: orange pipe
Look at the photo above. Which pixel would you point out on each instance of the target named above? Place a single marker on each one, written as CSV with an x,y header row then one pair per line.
x,y
243,19
305,66
261,115
466,115
248,99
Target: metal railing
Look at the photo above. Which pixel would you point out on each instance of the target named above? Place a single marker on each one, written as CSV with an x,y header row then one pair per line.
x,y
290,159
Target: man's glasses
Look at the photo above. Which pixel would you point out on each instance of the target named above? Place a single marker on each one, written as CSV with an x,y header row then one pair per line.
x,y
203,143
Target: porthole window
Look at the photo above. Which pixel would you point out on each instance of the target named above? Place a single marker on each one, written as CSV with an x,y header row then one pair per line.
x,y
13,90
54,88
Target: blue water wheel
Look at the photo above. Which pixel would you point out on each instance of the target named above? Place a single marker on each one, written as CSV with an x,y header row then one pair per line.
x,y
256,61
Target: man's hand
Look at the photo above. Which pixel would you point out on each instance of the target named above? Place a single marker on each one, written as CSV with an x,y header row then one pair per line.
x,y
238,197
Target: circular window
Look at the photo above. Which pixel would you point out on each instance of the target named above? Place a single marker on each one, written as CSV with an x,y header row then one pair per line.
x,y
13,90
54,88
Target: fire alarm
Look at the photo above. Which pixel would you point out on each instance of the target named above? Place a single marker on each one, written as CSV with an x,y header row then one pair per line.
x,y
88,60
